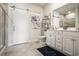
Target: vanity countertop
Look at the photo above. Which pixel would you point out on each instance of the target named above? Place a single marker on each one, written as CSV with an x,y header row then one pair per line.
x,y
70,30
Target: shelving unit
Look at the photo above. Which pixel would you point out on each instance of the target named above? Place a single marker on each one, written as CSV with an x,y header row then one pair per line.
x,y
45,24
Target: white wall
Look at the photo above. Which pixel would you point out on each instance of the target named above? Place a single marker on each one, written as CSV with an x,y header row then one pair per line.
x,y
58,5
49,8
35,33
52,6
19,26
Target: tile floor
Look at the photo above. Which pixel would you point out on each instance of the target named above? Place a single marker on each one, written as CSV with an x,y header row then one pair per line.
x,y
25,49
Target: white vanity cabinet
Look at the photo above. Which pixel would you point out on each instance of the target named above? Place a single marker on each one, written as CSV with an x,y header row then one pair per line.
x,y
76,43
68,43
53,39
68,46
50,38
59,40
76,47
64,41
71,42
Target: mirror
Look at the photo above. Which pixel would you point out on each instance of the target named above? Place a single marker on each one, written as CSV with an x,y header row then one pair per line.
x,y
65,17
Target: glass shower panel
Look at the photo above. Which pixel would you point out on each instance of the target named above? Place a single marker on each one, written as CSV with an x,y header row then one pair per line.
x,y
2,40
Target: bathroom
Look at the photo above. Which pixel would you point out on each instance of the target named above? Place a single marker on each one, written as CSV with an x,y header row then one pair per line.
x,y
27,28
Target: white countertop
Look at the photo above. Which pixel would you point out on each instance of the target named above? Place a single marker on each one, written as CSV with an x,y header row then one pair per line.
x,y
69,29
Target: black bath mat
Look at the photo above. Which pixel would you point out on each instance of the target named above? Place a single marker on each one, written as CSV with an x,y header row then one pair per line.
x,y
47,51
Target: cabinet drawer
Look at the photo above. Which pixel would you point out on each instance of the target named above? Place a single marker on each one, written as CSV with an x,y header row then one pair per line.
x,y
71,34
59,39
58,42
59,36
59,32
59,46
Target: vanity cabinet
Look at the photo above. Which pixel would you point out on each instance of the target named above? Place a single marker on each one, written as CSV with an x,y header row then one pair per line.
x,y
68,46
71,42
50,38
68,43
59,43
76,47
53,37
64,41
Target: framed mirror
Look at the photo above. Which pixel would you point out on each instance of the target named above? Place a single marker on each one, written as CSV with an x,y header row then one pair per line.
x,y
64,17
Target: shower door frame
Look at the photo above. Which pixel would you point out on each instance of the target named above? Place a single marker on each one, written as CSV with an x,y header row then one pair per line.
x,y
4,41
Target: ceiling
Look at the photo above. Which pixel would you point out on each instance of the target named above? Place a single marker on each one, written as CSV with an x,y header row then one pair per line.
x,y
68,7
40,4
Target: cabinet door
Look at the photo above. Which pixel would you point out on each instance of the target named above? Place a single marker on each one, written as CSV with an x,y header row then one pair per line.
x,y
48,39
59,41
59,44
53,41
76,47
68,46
